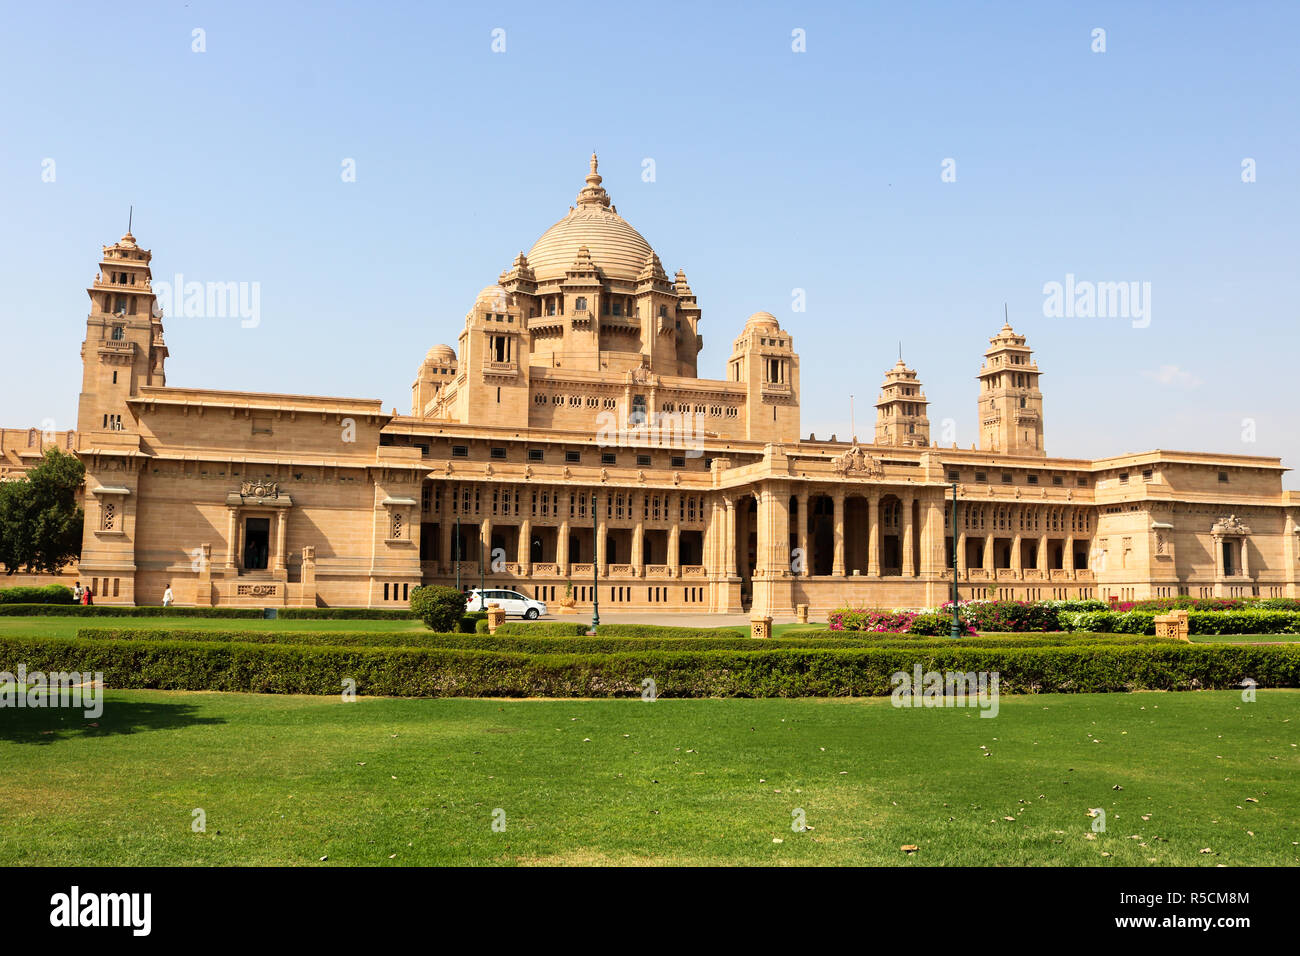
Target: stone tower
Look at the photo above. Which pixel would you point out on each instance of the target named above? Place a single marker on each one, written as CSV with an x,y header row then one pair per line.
x,y
763,358
901,417
1010,404
124,346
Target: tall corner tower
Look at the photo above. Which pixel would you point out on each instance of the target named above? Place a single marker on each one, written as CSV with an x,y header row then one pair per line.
x,y
124,347
901,417
764,359
1010,403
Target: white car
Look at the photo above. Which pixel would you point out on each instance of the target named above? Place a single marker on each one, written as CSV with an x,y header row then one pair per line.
x,y
519,605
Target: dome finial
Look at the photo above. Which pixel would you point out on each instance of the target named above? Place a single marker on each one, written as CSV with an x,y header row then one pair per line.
x,y
593,194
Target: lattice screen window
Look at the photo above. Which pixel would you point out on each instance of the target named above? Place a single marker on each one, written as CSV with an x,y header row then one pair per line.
x,y
110,515
397,525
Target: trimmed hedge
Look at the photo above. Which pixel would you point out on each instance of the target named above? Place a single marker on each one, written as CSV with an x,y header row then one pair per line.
x,y
235,613
46,594
430,672
1199,622
541,644
662,631
543,628
344,613
112,610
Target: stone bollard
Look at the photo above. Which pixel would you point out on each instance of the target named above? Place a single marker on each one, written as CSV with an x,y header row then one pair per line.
x,y
801,613
760,626
496,616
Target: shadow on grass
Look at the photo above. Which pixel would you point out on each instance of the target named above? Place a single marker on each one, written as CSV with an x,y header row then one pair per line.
x,y
48,725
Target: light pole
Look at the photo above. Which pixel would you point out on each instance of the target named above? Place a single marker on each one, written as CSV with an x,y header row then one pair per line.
x,y
595,568
456,552
956,622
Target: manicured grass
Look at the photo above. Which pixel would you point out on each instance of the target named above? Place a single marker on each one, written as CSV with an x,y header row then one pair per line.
x,y
288,780
68,626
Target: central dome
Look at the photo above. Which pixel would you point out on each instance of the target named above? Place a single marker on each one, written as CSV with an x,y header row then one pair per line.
x,y
617,249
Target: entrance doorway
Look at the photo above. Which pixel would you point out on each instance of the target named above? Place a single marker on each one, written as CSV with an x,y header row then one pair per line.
x,y
257,537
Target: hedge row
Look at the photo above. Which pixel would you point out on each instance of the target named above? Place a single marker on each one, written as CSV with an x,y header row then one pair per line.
x,y
47,594
1199,622
112,610
240,613
431,672
549,644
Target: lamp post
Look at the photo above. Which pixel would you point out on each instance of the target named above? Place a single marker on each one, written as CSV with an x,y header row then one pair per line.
x,y
482,599
595,568
455,550
956,622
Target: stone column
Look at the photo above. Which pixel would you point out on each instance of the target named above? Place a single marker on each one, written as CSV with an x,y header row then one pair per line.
x,y
232,542
989,563
446,524
282,519
638,543
959,559
774,533
1242,543
602,533
837,566
1067,556
909,562
802,504
203,587
873,533
307,598
485,546
1016,568
562,548
729,536
1042,557
524,550
674,548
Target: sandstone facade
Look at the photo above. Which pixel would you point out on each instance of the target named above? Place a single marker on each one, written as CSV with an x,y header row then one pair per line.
x,y
568,444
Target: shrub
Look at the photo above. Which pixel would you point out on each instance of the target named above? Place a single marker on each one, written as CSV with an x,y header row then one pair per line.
x,y
469,622
1116,622
437,672
1013,616
1199,622
439,607
869,619
940,625
48,594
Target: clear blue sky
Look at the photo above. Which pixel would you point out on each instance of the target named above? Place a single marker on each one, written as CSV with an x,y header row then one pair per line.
x,y
775,171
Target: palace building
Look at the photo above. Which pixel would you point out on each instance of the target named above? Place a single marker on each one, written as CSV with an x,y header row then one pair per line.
x,y
568,444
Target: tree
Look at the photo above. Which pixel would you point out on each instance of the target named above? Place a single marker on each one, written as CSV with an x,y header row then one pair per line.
x,y
40,520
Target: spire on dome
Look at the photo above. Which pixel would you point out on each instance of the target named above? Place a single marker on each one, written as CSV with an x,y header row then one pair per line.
x,y
593,194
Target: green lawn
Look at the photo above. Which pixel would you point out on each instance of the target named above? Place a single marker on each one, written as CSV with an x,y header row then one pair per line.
x,y
288,780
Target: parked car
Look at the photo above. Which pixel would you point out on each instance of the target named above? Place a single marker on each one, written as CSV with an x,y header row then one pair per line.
x,y
516,604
